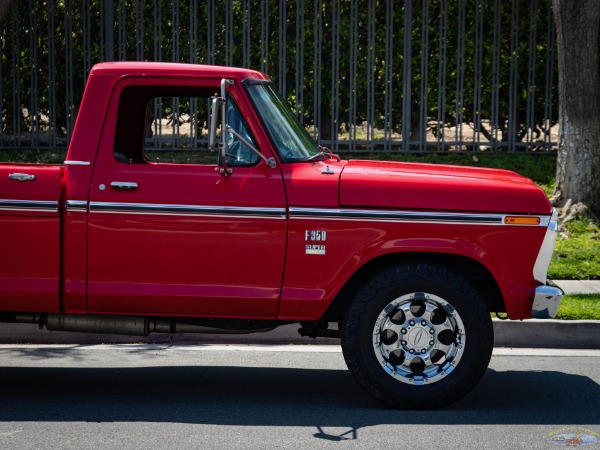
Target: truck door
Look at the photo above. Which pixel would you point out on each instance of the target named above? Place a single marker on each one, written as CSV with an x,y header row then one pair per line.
x,y
168,233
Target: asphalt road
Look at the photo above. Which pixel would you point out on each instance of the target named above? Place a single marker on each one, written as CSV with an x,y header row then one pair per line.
x,y
276,397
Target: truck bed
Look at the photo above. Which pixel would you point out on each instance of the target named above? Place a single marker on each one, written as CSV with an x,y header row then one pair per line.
x,y
30,236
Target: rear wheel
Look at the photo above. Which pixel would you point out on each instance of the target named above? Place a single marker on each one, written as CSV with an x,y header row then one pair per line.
x,y
417,336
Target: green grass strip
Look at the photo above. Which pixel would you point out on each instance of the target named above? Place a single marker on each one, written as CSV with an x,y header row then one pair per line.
x,y
575,307
578,257
580,307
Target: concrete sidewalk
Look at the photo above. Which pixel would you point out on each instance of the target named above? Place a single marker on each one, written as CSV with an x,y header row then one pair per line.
x,y
579,286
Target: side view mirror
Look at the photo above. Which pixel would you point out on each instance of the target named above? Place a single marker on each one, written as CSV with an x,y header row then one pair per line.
x,y
218,107
214,118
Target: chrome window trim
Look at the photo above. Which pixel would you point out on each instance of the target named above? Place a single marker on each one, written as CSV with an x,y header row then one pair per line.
x,y
28,205
76,205
77,163
408,216
186,210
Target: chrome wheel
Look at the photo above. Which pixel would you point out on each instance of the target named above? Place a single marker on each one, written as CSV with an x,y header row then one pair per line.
x,y
419,338
404,336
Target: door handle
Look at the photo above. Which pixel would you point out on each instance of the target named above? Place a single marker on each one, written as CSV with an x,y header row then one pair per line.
x,y
21,177
124,186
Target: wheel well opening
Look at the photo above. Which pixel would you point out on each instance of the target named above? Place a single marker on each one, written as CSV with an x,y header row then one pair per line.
x,y
472,270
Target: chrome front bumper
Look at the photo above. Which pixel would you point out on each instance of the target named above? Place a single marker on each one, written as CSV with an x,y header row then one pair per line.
x,y
546,301
548,295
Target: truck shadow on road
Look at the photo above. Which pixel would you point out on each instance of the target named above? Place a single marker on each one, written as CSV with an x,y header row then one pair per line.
x,y
250,396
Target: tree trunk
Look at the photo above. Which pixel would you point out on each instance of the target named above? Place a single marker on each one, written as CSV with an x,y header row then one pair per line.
x,y
578,165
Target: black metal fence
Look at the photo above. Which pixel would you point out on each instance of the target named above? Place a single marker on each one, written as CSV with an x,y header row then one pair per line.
x,y
363,75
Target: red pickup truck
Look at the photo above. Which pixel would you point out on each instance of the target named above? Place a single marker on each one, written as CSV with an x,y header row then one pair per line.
x,y
404,261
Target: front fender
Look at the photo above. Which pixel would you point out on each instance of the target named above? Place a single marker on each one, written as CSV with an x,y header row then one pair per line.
x,y
312,281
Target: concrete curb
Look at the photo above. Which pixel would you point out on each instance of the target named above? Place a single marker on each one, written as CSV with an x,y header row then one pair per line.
x,y
547,333
583,334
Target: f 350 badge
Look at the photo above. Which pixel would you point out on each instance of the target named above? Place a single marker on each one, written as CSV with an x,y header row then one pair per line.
x,y
315,236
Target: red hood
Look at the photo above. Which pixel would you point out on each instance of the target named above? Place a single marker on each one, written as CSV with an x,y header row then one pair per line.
x,y
401,185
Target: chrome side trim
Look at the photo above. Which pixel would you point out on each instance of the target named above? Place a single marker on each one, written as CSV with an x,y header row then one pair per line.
x,y
546,301
545,221
402,216
540,268
28,205
76,205
77,163
179,210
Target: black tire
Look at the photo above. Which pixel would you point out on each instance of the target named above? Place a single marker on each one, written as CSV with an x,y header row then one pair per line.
x,y
438,374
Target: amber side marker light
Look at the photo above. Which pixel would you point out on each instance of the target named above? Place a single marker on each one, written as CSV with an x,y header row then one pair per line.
x,y
512,220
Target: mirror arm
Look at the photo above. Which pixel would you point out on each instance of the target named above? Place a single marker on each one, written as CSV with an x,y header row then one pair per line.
x,y
224,169
221,102
269,162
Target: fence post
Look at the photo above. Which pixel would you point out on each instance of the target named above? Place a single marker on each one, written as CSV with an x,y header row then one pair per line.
x,y
334,61
109,25
407,76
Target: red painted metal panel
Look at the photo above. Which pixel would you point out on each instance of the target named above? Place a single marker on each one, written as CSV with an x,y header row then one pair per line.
x,y
307,185
181,72
74,251
196,263
30,233
312,281
437,187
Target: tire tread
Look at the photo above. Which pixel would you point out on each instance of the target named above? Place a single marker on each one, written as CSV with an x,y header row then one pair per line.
x,y
401,274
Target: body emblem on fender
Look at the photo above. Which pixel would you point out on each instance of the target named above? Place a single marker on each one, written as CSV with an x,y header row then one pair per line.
x,y
315,236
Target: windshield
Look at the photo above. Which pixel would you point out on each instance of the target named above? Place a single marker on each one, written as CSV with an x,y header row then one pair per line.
x,y
288,136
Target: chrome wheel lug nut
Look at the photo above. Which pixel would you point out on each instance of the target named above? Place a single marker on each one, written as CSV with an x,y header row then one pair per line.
x,y
423,351
412,351
431,331
423,323
403,331
412,323
431,342
403,342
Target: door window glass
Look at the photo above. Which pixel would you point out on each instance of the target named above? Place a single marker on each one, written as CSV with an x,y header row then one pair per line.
x,y
173,128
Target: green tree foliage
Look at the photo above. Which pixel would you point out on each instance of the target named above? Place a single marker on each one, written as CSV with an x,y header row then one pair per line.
x,y
479,62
